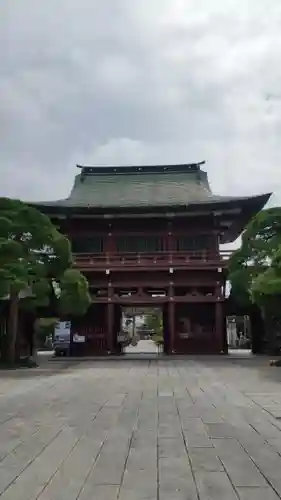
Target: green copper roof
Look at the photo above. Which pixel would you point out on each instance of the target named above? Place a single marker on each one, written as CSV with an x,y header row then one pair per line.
x,y
146,186
139,188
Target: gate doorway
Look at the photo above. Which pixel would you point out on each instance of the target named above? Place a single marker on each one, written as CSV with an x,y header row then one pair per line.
x,y
238,329
141,330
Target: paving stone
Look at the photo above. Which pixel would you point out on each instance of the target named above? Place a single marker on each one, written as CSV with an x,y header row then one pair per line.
x,y
126,494
68,481
205,459
116,401
197,440
212,416
266,459
144,439
191,410
24,454
140,458
238,464
98,493
194,425
221,430
142,481
175,478
266,429
170,431
171,447
276,444
266,493
140,430
276,484
108,470
31,482
214,486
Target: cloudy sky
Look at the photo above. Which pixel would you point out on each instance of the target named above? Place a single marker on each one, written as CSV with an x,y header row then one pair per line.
x,y
139,82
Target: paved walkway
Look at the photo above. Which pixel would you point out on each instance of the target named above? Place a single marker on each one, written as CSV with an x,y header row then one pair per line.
x,y
143,430
143,347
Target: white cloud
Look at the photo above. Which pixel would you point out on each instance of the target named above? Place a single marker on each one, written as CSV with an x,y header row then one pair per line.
x,y
139,82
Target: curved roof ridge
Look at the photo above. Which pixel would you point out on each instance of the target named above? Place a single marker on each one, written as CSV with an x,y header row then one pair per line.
x,y
105,170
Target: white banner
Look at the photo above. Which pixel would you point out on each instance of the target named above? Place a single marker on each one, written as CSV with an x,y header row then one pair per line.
x,y
78,339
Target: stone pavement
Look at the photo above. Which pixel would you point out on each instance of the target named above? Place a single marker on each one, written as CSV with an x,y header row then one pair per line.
x,y
185,429
143,346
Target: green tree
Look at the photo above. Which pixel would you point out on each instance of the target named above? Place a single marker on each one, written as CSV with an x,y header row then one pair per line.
x,y
260,242
153,321
266,293
44,327
74,296
35,262
255,269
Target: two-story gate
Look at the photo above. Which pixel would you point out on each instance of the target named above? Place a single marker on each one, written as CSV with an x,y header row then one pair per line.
x,y
135,230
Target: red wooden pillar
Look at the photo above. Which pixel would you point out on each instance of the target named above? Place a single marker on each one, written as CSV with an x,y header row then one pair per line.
x,y
170,243
220,326
110,320
108,241
171,319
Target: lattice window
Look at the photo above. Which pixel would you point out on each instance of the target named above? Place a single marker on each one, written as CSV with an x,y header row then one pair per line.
x,y
140,244
189,243
87,244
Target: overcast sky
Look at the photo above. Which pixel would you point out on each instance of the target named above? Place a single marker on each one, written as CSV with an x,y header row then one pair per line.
x,y
139,82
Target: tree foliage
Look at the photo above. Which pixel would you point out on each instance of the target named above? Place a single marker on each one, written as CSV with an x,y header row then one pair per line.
x,y
31,248
153,321
74,296
266,287
255,270
261,243
35,258
44,327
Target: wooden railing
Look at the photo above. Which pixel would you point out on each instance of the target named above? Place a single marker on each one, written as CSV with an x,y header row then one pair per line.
x,y
152,260
149,299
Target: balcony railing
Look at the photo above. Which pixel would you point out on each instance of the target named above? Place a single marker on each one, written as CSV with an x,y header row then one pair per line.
x,y
155,260
148,299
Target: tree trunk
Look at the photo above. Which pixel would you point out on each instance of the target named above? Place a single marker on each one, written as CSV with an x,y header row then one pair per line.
x,y
271,338
257,330
13,327
3,331
33,342
29,332
270,328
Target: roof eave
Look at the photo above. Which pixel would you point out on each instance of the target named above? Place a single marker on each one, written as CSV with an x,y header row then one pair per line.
x,y
60,206
250,208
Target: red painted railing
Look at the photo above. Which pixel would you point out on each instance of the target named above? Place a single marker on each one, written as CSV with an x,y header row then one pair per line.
x,y
152,260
